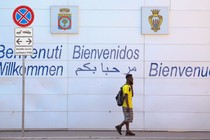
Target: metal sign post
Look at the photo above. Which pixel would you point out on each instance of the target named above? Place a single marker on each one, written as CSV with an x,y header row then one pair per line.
x,y
23,94
23,47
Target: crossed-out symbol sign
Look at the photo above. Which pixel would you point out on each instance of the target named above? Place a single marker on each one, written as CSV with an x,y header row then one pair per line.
x,y
23,16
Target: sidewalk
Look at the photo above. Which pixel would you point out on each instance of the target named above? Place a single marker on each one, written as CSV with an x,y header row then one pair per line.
x,y
102,135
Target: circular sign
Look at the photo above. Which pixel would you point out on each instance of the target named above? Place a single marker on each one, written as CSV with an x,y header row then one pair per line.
x,y
23,16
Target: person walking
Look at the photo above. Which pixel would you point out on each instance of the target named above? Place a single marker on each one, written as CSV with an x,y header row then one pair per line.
x,y
127,106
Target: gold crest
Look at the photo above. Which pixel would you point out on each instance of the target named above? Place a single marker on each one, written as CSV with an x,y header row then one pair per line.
x,y
155,20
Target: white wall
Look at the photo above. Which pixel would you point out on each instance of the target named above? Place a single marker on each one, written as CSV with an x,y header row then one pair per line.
x,y
86,100
179,103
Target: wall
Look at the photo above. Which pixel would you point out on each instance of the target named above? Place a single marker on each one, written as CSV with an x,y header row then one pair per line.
x,y
179,102
165,98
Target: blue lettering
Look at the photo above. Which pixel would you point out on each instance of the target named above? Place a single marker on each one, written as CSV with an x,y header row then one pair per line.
x,y
203,73
9,53
99,53
165,71
177,71
76,52
153,69
136,52
81,52
130,56
87,54
181,72
2,48
189,71
106,54
2,68
122,53
16,70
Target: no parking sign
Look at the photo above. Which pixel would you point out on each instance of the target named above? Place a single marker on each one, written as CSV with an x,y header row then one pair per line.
x,y
23,16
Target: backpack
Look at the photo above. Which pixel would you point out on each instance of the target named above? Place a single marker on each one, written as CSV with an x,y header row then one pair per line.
x,y
120,97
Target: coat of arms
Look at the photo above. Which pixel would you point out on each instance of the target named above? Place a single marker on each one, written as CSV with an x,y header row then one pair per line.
x,y
155,20
64,19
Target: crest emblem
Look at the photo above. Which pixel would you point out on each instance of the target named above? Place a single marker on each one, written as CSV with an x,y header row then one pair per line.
x,y
64,19
155,20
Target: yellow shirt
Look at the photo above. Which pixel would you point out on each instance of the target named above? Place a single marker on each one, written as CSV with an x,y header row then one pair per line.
x,y
127,90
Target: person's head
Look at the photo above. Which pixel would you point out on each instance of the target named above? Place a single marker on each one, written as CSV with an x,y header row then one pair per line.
x,y
129,79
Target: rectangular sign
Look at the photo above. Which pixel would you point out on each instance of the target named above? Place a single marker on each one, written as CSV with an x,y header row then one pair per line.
x,y
64,19
155,20
23,41
23,32
23,50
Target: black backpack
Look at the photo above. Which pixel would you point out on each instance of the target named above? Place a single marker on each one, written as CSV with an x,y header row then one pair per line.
x,y
120,97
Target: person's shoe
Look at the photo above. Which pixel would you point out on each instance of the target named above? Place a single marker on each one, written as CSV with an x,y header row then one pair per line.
x,y
118,128
129,133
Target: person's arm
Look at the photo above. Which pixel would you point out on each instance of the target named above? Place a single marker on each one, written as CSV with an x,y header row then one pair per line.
x,y
126,101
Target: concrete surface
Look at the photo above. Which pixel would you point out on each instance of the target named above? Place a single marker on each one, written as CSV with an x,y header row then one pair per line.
x,y
102,135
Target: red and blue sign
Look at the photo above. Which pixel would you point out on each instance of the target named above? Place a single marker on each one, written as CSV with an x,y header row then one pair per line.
x,y
23,16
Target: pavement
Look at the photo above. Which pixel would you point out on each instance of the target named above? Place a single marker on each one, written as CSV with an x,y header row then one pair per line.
x,y
101,135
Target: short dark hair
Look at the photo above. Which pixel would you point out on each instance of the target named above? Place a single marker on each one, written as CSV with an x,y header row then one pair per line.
x,y
128,75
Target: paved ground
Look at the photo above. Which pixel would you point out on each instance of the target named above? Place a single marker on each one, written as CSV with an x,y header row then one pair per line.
x,y
102,135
